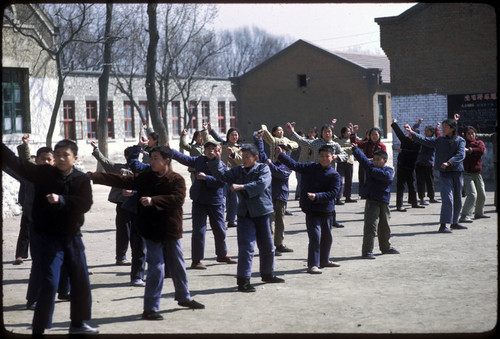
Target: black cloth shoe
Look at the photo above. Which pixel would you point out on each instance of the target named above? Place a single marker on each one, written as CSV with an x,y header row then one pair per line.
x,y
481,216
283,249
391,250
192,304
268,278
434,201
151,315
401,209
458,227
417,206
244,285
83,329
444,229
337,225
338,202
288,212
350,200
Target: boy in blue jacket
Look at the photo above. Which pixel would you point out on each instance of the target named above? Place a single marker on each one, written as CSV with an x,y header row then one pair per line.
x,y
207,194
377,192
319,186
252,182
279,190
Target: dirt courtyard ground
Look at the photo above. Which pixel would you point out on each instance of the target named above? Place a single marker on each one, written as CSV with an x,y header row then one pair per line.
x,y
439,284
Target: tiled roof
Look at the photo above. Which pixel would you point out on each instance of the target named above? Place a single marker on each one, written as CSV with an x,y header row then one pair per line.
x,y
369,61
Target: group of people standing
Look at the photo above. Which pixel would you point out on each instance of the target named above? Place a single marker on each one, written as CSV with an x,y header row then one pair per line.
x,y
246,183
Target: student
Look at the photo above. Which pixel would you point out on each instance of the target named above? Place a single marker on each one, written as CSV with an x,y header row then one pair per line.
x,y
407,158
473,180
207,194
424,167
326,138
279,189
450,154
306,155
252,182
126,228
371,143
377,192
195,148
231,156
275,138
62,196
319,186
345,169
161,194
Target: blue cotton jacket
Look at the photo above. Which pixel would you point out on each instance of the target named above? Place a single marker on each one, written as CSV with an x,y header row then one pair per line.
x,y
447,150
255,200
378,180
279,173
207,192
325,182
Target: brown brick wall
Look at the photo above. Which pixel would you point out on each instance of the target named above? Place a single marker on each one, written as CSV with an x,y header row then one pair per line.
x,y
448,48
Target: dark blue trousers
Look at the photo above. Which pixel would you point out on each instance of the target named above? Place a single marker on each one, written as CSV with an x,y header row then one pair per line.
x,y
55,251
215,214
319,231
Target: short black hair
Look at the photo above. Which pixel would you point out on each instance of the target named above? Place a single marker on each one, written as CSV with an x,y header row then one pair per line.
x,y
153,135
44,150
381,153
128,151
250,148
165,152
326,148
66,143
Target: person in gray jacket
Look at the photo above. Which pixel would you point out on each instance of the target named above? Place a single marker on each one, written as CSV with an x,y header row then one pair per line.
x,y
252,182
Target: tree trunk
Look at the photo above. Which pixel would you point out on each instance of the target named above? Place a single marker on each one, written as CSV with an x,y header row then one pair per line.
x,y
154,36
57,104
102,129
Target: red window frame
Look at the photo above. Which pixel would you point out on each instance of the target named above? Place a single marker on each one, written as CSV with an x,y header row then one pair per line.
x,y
221,116
111,125
232,114
193,112
128,119
69,120
91,113
176,122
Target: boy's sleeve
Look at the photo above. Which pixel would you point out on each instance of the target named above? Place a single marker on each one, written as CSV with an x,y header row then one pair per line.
x,y
23,150
260,146
332,190
258,186
399,133
214,135
114,180
182,158
108,165
279,172
384,174
21,167
290,163
174,198
220,172
361,158
79,199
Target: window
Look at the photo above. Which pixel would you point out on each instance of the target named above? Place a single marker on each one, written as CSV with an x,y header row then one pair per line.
x,y
382,115
15,110
176,122
221,116
69,120
128,119
205,111
111,125
91,119
193,113
302,80
232,114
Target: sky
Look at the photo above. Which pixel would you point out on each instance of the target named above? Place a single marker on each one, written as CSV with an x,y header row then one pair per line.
x,y
332,26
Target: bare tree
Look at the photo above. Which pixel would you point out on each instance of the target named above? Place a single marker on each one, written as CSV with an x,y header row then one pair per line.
x,y
70,19
102,130
249,48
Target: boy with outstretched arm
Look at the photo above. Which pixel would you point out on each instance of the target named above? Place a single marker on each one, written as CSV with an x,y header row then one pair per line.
x,y
377,192
161,194
62,196
252,182
319,186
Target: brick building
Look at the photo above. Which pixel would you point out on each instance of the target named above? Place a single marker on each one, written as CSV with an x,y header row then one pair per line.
x,y
444,63
311,86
